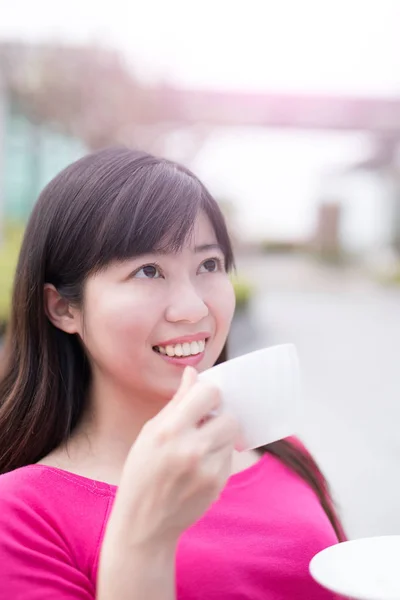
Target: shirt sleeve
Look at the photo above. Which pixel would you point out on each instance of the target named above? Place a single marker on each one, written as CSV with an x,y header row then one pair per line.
x,y
36,562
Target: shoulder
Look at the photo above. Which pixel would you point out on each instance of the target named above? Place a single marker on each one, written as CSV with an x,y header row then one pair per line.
x,y
59,499
44,489
23,480
23,492
48,517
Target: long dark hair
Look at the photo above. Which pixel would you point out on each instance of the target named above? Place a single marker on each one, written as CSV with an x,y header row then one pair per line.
x,y
110,205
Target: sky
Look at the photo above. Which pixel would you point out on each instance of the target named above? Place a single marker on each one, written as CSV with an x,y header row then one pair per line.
x,y
335,46
313,46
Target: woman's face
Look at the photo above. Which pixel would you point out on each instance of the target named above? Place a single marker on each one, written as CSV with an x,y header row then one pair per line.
x,y
146,318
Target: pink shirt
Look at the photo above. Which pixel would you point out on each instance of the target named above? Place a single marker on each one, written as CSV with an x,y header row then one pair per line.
x,y
254,543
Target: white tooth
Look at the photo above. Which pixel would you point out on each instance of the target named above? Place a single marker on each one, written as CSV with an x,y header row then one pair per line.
x,y
170,350
194,348
202,345
162,350
178,350
186,349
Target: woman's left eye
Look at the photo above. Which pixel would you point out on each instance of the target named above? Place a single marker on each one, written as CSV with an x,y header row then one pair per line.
x,y
211,265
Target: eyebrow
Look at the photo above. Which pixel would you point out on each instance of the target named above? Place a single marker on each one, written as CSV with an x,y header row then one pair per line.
x,y
206,247
197,249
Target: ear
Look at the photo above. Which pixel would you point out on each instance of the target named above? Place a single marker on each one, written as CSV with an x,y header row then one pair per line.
x,y
59,312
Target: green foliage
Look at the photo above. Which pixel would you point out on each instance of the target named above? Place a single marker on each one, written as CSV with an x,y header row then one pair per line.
x,y
280,247
9,251
390,279
243,291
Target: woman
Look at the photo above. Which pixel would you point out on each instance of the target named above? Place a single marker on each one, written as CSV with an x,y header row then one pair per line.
x,y
113,475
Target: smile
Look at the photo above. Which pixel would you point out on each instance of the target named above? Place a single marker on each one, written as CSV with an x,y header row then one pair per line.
x,y
182,350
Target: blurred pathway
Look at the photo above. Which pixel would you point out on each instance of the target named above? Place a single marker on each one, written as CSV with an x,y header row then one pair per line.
x,y
347,331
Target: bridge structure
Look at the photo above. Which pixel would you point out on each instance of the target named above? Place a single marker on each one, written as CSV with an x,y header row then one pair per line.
x,y
200,112
378,116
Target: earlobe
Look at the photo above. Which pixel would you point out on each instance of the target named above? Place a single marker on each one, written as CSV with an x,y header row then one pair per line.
x,y
59,311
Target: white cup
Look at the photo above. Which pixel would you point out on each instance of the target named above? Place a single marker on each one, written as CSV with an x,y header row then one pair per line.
x,y
364,569
262,390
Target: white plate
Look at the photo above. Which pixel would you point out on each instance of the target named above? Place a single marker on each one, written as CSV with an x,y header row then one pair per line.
x,y
365,569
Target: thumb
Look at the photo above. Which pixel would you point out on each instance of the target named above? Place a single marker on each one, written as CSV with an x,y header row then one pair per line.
x,y
189,378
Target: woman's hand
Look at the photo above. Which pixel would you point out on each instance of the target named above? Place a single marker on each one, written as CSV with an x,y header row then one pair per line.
x,y
177,467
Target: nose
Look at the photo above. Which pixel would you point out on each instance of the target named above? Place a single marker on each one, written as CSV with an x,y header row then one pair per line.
x,y
186,304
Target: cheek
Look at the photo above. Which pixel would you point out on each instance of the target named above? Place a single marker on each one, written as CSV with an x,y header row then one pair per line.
x,y
221,302
120,320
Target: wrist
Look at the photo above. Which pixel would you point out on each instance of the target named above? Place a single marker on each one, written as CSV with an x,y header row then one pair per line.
x,y
125,536
132,530
142,570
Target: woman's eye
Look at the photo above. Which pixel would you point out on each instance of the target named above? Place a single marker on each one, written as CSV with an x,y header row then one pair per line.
x,y
211,265
148,272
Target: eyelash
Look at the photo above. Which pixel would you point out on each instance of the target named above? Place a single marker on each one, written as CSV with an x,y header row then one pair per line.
x,y
219,263
218,260
154,264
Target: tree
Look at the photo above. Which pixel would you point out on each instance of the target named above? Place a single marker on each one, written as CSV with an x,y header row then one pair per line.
x,y
86,92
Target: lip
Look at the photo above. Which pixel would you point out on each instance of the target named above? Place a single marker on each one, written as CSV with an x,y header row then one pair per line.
x,y
195,337
184,361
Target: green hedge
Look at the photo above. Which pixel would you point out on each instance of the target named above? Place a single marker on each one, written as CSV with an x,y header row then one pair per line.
x,y
243,291
9,251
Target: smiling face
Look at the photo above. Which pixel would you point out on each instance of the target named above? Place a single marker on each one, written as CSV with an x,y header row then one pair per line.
x,y
146,318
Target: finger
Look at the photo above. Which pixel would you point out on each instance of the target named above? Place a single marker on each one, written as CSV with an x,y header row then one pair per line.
x,y
200,400
219,432
189,378
219,464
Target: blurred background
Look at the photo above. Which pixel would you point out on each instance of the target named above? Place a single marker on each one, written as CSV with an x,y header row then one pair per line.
x,y
290,113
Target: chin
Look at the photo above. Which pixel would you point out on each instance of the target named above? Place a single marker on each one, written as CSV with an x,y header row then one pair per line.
x,y
165,392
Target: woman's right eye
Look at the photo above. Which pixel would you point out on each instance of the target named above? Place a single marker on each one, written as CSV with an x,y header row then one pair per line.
x,y
148,272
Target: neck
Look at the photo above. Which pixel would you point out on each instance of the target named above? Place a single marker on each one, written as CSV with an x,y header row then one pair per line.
x,y
99,447
101,443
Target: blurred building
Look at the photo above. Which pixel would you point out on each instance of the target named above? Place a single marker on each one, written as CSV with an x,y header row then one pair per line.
x,y
364,219
31,150
59,101
33,154
358,210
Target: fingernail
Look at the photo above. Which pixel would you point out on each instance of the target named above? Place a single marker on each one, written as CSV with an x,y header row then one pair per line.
x,y
240,444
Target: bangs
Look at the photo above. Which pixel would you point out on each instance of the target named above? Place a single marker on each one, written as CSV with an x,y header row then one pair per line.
x,y
117,204
155,212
